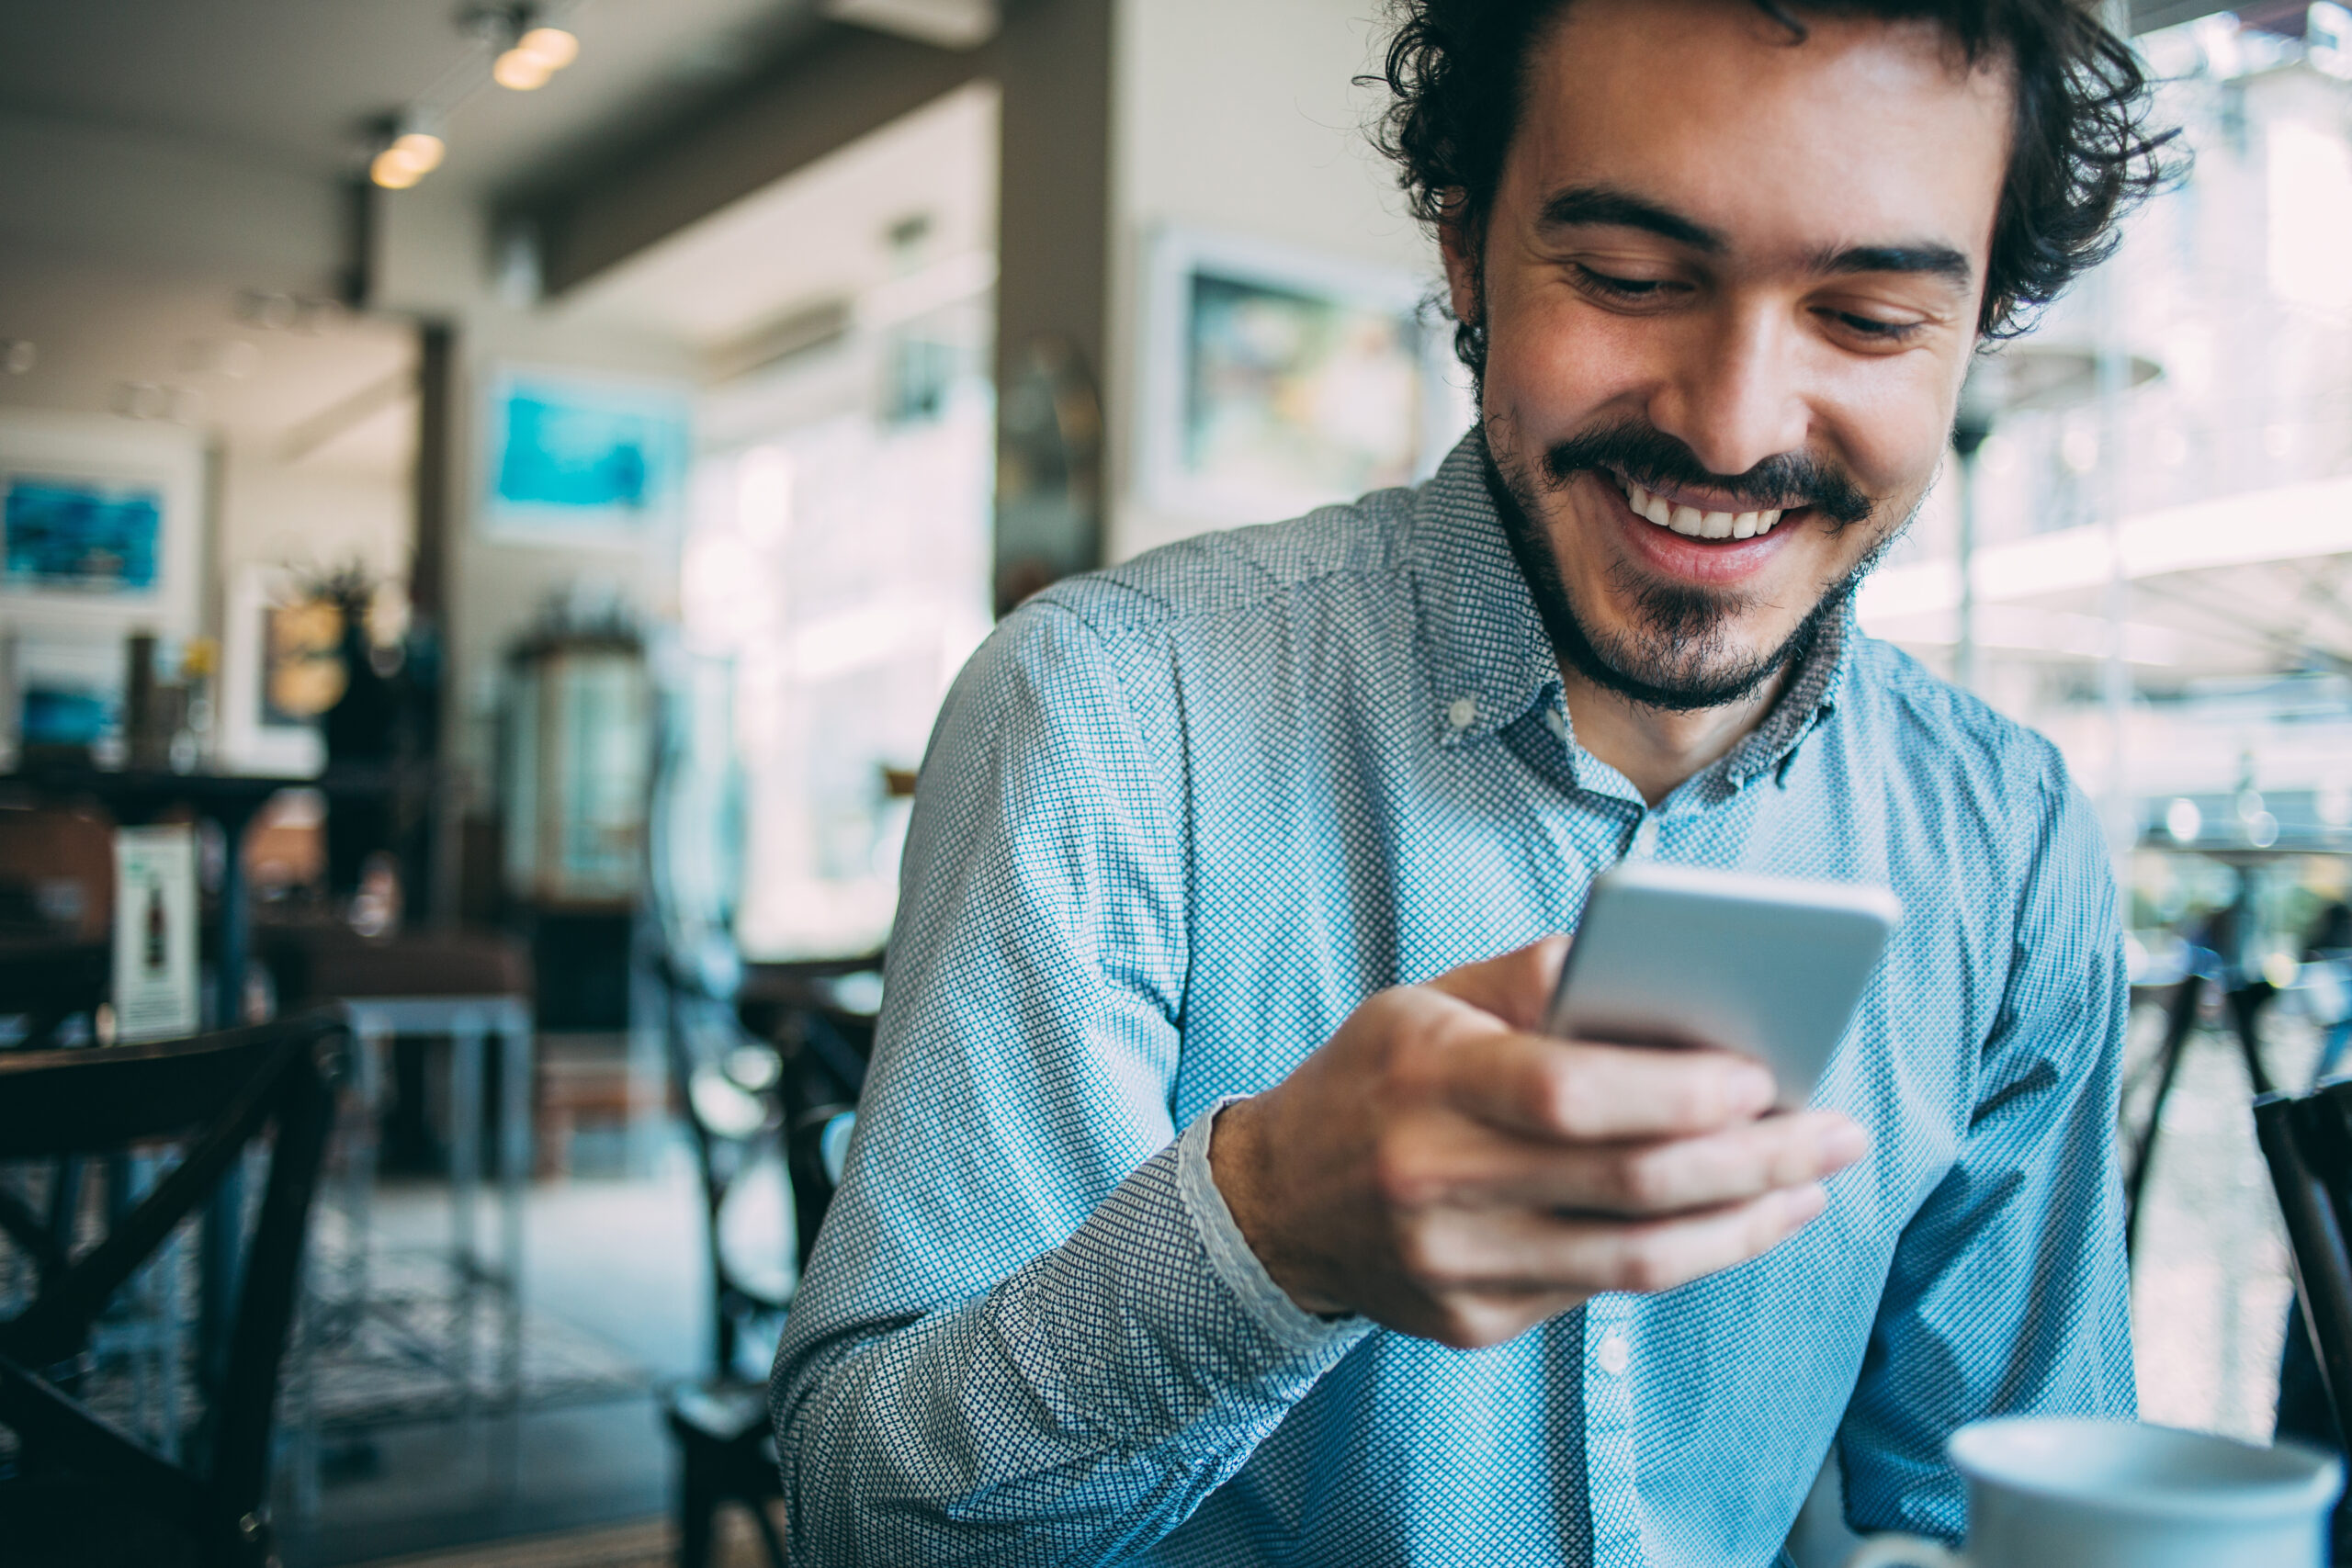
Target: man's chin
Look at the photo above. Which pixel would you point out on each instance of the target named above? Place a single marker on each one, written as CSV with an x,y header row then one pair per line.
x,y
1634,666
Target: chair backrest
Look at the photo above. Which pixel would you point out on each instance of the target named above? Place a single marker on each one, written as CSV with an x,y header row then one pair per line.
x,y
2307,1141
731,1116
825,1055
214,1095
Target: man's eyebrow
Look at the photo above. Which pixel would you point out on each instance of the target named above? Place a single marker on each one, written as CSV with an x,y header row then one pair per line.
x,y
1602,206
1922,256
1607,207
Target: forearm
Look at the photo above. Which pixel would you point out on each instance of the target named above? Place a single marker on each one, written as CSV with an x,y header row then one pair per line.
x,y
1076,1412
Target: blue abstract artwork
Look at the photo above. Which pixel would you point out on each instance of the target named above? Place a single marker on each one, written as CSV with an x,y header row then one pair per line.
x,y
81,537
567,456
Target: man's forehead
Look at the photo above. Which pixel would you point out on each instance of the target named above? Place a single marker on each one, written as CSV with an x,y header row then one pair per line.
x,y
1863,134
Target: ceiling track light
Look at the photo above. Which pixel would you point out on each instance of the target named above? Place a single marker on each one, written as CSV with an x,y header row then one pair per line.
x,y
406,150
526,50
530,50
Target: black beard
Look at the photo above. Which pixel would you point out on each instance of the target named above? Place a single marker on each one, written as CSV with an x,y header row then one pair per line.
x,y
1674,661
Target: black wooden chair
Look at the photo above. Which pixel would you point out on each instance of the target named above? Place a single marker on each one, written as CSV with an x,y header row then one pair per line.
x,y
47,984
2307,1142
792,1083
79,1489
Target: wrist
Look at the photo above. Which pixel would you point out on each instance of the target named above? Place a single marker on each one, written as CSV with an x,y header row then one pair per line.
x,y
1239,1160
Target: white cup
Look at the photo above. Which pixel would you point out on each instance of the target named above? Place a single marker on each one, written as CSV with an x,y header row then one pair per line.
x,y
2046,1492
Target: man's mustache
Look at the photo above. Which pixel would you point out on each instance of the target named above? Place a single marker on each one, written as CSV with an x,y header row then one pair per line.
x,y
1655,460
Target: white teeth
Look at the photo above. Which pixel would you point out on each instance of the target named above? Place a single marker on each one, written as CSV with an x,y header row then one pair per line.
x,y
1691,523
1643,503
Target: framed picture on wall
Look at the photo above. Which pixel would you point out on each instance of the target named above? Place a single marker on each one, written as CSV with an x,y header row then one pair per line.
x,y
281,667
572,457
101,528
1274,381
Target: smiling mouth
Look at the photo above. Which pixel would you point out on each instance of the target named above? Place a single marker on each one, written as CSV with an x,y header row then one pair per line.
x,y
1693,524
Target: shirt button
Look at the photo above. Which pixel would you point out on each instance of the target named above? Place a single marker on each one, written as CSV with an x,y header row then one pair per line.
x,y
1553,721
1614,1353
1462,712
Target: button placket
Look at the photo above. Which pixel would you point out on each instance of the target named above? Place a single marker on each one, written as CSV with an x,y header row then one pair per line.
x,y
1609,1429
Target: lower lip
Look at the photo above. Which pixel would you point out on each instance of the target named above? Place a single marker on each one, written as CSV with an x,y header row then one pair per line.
x,y
1695,560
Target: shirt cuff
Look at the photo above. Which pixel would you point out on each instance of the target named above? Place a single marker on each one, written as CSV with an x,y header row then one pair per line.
x,y
1269,1306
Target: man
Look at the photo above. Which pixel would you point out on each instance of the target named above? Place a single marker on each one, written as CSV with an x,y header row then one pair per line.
x,y
1212,1201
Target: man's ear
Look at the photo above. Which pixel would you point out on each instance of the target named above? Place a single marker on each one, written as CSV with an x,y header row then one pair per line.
x,y
1460,248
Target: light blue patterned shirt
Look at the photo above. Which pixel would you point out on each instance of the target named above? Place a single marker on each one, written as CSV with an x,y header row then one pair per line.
x,y
1177,821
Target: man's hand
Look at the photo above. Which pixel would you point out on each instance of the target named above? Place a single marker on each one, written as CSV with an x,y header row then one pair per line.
x,y
1441,1169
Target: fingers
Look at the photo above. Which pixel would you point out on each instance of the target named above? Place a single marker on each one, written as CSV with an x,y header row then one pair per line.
x,y
1519,1250
1677,1174
1467,1166
1515,987
1579,1092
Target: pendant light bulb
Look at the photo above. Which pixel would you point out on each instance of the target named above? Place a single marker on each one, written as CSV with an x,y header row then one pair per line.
x,y
552,47
390,170
422,149
519,71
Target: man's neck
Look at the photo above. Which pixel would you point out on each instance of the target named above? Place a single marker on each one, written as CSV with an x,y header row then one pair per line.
x,y
1657,748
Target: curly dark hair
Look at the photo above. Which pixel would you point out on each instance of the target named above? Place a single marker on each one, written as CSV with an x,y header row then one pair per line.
x,y
2084,153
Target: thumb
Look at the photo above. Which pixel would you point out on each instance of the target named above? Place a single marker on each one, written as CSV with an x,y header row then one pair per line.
x,y
1515,986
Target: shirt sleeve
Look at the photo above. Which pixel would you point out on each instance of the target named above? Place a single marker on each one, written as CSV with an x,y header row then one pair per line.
x,y
1030,1332
2010,1293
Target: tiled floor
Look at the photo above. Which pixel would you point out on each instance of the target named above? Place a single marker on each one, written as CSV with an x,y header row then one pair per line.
x,y
622,1260
2212,1284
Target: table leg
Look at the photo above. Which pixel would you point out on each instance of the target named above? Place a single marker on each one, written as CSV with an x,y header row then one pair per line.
x,y
515,1057
223,1224
465,1187
372,1042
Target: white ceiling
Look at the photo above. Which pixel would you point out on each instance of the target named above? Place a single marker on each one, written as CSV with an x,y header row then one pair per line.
x,y
817,236
293,84
312,386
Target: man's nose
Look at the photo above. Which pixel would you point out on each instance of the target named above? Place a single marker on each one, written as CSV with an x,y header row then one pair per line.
x,y
1734,395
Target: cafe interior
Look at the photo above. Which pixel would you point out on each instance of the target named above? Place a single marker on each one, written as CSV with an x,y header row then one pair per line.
x,y
495,495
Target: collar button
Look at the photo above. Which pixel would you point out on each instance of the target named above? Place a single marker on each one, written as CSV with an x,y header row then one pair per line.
x,y
1462,712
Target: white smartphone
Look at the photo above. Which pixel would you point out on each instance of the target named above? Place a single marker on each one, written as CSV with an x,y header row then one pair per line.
x,y
1683,955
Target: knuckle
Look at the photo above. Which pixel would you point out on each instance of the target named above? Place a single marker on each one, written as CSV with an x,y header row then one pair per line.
x,y
1642,1179
1434,1260
1404,1176
1792,1161
1695,1100
1564,1088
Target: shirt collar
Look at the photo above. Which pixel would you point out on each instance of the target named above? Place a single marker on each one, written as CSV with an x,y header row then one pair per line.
x,y
1810,698
1490,659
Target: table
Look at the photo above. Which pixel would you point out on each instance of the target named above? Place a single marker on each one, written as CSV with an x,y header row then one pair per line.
x,y
135,796
2245,997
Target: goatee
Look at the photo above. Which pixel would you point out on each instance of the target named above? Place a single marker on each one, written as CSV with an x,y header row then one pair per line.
x,y
1676,655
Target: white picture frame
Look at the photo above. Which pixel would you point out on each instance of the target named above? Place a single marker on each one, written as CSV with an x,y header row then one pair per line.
x,y
1199,457
154,466
600,461
251,742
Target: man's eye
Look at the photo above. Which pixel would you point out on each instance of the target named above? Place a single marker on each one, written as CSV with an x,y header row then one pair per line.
x,y
1874,327
1621,287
